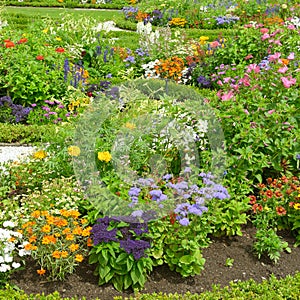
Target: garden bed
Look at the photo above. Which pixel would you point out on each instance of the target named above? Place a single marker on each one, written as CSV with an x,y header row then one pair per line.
x,y
245,265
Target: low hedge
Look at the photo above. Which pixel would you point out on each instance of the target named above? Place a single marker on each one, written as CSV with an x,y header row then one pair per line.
x,y
275,289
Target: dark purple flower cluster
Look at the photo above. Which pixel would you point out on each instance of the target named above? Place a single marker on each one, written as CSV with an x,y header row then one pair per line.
x,y
204,82
130,12
108,229
17,112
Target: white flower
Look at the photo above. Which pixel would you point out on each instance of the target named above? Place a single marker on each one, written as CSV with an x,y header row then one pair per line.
x,y
8,258
23,252
16,265
4,268
1,259
8,224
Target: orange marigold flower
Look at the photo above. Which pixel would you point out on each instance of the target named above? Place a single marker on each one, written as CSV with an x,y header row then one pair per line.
x,y
86,231
50,220
66,231
48,239
56,254
36,214
46,228
74,213
28,247
280,211
70,237
285,61
83,221
41,271
79,257
59,222
32,239
74,247
77,230
89,242
12,239
64,254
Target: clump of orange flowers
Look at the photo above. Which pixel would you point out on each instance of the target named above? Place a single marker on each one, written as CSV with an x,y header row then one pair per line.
x,y
170,68
58,241
178,22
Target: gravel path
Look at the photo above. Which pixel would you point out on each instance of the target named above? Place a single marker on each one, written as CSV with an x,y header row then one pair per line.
x,y
14,152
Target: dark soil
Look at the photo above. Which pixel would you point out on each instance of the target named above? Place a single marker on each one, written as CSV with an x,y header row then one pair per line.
x,y
245,266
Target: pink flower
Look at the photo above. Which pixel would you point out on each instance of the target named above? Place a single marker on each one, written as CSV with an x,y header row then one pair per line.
x,y
226,79
291,26
275,56
253,67
245,80
288,81
227,96
291,56
264,30
277,42
271,111
283,69
215,44
265,36
248,56
219,82
246,111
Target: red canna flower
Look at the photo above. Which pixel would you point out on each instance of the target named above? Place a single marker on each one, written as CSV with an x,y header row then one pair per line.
x,y
22,41
9,44
60,50
40,57
280,211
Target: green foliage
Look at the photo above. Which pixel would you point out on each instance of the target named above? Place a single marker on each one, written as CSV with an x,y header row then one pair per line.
x,y
268,242
116,266
180,246
29,134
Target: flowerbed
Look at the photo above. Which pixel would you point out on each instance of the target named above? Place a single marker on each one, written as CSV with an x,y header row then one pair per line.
x,y
143,172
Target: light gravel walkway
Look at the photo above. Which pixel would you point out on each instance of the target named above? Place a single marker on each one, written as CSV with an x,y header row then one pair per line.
x,y
14,153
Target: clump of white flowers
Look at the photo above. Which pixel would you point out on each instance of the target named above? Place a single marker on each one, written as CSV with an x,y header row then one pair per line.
x,y
11,247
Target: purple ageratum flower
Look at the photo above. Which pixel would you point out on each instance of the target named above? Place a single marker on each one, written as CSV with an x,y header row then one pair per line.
x,y
182,209
197,209
134,192
137,213
146,182
184,221
167,177
100,233
157,195
203,81
46,108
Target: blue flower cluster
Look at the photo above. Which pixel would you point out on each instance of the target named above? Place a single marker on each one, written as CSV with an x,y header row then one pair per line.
x,y
17,112
108,230
191,198
223,21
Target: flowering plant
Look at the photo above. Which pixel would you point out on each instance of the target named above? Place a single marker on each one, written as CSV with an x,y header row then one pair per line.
x,y
11,250
277,206
58,240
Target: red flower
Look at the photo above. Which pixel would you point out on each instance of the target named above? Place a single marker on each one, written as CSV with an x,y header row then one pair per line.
x,y
278,194
269,180
257,207
9,44
280,211
269,193
22,41
60,50
172,218
252,199
40,57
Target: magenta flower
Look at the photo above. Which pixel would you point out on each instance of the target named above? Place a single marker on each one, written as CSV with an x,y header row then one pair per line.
x,y
275,56
288,81
291,56
283,69
253,67
270,112
227,96
291,26
265,36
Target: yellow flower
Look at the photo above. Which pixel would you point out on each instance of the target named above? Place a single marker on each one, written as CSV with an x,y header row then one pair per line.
x,y
41,154
129,125
56,254
58,38
86,231
74,247
203,39
79,257
104,156
74,151
64,254
46,228
46,30
297,206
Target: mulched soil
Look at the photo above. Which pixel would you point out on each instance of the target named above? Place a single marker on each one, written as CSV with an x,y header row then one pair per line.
x,y
245,266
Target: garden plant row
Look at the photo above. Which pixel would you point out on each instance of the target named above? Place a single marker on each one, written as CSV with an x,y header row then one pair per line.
x,y
209,91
